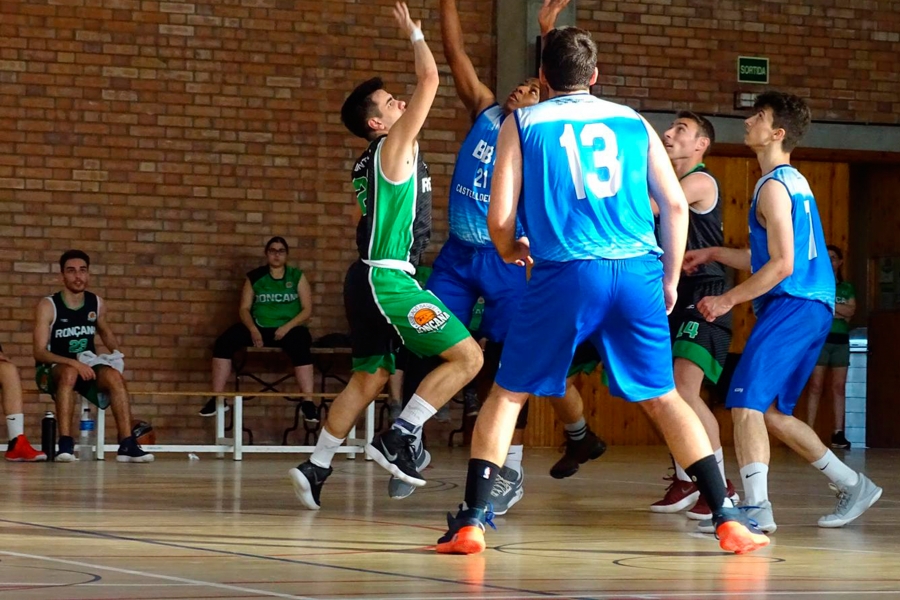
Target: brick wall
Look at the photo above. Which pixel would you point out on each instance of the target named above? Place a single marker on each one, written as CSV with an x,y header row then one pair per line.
x,y
672,54
170,140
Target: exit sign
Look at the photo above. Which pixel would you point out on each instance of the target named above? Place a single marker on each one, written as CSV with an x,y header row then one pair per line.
x,y
753,69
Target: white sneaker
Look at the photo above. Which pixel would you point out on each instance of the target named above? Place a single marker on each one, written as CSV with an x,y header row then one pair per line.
x,y
852,502
760,513
66,457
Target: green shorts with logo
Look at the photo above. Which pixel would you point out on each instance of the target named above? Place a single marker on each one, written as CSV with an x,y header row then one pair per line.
x,y
89,390
387,308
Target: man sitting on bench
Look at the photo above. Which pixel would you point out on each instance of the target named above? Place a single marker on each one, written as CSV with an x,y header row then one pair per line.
x,y
275,303
64,350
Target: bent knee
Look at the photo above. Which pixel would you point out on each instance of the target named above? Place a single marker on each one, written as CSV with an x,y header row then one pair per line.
x,y
65,376
8,372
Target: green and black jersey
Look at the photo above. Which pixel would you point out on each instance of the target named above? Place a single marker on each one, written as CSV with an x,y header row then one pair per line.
x,y
275,301
73,329
396,215
706,229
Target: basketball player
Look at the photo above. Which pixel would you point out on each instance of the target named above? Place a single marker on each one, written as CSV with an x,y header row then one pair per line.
x,y
18,449
582,168
792,289
385,305
65,326
699,348
468,266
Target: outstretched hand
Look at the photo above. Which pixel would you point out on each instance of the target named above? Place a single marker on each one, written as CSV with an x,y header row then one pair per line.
x,y
549,12
404,22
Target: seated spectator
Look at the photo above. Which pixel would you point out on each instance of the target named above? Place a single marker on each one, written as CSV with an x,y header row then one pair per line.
x,y
835,354
275,303
64,331
18,450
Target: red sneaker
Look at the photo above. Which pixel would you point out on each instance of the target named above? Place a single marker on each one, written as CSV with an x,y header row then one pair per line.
x,y
679,495
20,450
701,510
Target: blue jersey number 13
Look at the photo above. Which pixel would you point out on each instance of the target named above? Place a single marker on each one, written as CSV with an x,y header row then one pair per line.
x,y
605,160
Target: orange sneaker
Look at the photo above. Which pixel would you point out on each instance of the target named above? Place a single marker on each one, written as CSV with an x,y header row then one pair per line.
x,y
737,533
20,450
465,534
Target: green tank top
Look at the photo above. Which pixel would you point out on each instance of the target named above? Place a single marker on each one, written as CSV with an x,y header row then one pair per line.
x,y
843,293
275,301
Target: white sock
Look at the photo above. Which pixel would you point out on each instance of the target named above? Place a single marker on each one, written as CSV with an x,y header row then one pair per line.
x,y
680,473
16,425
417,411
720,460
326,448
514,458
835,470
756,483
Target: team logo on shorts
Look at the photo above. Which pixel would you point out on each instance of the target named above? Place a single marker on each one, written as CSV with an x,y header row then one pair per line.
x,y
92,316
427,318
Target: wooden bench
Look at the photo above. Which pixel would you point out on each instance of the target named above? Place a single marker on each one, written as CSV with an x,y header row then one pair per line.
x,y
235,444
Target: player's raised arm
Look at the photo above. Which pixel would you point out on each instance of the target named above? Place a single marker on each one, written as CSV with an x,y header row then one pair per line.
x,y
398,150
673,212
474,94
549,12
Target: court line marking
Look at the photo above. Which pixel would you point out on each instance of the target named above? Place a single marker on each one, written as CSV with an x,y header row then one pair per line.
x,y
183,580
153,542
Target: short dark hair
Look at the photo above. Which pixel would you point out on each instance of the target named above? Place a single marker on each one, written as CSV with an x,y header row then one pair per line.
x,y
706,128
278,240
358,108
71,255
840,255
568,59
789,112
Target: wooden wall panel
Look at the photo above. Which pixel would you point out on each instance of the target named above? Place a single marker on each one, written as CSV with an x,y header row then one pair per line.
x,y
622,423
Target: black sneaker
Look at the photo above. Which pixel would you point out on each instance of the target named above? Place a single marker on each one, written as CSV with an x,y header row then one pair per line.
x,y
465,531
577,453
310,411
130,452
209,409
308,479
66,451
395,452
839,441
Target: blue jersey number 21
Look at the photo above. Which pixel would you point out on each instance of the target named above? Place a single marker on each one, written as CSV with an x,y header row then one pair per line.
x,y
605,160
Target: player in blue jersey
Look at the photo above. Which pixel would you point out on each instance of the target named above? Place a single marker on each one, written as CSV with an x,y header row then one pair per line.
x,y
577,170
792,290
468,266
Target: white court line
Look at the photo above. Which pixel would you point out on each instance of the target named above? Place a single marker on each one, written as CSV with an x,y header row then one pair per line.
x,y
644,595
222,586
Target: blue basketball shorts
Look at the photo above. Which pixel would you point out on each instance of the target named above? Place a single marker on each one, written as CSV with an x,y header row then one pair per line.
x,y
780,354
617,305
463,273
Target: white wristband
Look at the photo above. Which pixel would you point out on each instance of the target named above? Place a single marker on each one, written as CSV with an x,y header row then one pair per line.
x,y
416,35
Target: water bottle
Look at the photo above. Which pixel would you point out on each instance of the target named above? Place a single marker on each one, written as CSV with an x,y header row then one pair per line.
x,y
86,442
48,435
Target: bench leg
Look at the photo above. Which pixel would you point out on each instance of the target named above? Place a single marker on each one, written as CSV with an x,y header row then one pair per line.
x,y
101,433
370,424
351,435
220,422
238,428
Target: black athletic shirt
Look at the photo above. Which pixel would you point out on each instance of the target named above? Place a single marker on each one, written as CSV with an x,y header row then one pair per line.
x,y
73,329
706,230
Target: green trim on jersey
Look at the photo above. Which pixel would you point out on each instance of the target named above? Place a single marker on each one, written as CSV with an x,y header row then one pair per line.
x,y
394,208
700,356
276,301
843,292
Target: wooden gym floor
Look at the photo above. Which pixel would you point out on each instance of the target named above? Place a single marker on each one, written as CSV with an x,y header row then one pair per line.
x,y
219,529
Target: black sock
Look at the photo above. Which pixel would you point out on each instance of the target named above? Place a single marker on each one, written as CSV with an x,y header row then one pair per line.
x,y
479,482
706,475
66,444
